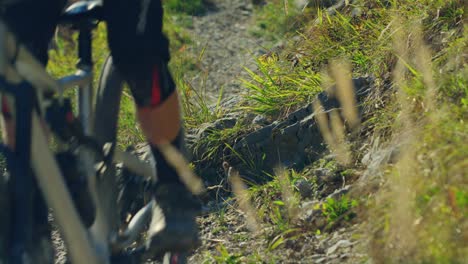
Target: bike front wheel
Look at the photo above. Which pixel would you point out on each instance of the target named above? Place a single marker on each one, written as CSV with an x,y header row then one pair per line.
x,y
116,197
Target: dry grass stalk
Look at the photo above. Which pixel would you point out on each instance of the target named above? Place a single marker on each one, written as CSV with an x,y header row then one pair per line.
x,y
341,145
180,164
287,194
403,189
240,191
330,136
399,196
423,59
401,47
405,236
322,122
345,91
337,126
286,7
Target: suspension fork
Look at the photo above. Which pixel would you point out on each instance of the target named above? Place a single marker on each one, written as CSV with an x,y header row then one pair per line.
x,y
22,186
31,153
85,66
100,230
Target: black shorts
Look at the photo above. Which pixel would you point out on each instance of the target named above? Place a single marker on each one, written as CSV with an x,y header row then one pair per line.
x,y
138,46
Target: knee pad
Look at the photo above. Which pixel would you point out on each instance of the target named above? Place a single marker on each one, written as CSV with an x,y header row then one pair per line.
x,y
139,48
151,86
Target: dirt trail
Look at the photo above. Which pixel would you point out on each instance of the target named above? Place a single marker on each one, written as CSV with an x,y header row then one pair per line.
x,y
222,37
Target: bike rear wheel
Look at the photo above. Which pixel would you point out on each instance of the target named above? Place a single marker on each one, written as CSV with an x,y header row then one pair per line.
x,y
106,113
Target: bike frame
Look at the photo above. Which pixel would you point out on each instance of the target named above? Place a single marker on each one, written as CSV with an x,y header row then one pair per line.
x,y
25,81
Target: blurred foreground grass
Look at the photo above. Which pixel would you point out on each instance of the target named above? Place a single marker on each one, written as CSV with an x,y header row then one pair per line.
x,y
417,53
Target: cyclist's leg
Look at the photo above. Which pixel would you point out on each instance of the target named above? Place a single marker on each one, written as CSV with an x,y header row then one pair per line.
x,y
141,53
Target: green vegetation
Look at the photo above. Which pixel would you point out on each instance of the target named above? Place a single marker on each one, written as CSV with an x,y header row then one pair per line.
x,y
274,90
225,257
414,50
335,209
276,18
416,53
192,7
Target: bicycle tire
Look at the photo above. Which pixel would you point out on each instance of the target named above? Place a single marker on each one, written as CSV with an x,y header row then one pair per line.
x,y
105,128
107,108
105,124
107,103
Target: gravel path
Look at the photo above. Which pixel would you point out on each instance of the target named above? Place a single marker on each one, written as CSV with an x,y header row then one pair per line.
x,y
222,36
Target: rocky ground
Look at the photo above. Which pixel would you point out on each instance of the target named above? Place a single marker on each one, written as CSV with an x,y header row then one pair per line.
x,y
292,142
228,47
222,36
247,247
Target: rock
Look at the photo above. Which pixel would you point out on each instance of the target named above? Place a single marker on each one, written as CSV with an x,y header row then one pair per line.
x,y
377,157
339,193
300,114
304,187
317,256
301,4
291,142
282,143
246,12
220,124
313,216
226,122
325,175
356,12
228,103
339,244
256,136
260,120
291,131
320,260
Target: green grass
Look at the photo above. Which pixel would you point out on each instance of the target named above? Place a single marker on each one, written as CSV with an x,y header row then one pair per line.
x,y
335,209
276,18
275,90
365,41
419,212
192,7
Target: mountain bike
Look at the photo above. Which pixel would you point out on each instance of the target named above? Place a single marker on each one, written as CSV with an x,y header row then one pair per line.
x,y
84,147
